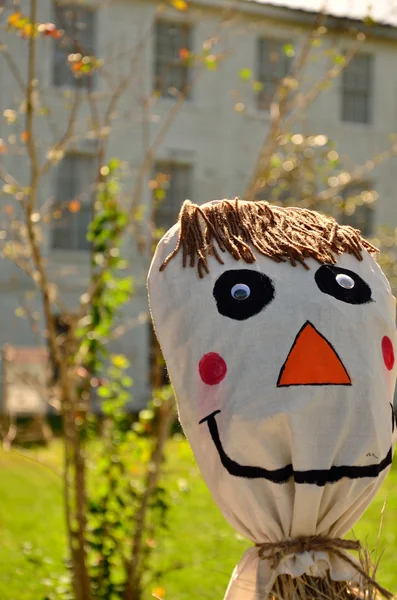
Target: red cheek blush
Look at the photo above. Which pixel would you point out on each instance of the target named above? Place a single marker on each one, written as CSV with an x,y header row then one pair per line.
x,y
212,368
388,352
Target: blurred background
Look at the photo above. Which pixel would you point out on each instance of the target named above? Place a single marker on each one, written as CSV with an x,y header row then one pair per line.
x,y
112,114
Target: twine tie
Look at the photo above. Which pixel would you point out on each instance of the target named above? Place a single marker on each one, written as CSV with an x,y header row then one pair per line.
x,y
276,551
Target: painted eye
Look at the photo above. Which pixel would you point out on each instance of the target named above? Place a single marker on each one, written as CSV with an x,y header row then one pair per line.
x,y
345,281
240,291
343,284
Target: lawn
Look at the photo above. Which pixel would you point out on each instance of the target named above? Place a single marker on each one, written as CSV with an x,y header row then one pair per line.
x,y
193,558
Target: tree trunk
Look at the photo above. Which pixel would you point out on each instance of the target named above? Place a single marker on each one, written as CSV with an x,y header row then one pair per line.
x,y
166,418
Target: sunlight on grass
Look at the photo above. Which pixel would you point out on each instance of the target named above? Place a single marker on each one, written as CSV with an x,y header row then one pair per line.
x,y
193,558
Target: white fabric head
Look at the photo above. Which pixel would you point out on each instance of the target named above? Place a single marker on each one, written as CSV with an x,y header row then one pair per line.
x,y
284,379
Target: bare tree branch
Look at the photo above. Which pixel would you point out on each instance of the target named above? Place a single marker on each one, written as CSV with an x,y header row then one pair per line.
x,y
72,442
67,135
357,174
316,90
283,105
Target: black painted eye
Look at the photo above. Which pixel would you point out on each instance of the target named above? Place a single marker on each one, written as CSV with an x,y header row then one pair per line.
x,y
343,285
241,294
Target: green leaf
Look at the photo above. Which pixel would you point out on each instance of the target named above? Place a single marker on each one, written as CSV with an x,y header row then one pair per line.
x,y
120,501
160,194
138,427
122,219
146,415
211,62
107,407
339,59
275,161
257,86
245,73
114,164
114,373
104,392
369,21
289,50
124,284
139,213
120,361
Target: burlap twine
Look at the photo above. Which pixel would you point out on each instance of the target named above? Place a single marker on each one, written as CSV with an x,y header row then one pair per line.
x,y
276,551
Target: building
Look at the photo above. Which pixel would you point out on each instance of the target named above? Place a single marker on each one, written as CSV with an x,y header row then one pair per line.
x,y
210,148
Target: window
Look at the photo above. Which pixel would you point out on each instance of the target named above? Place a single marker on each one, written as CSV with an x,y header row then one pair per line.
x,y
358,207
176,180
78,23
171,70
273,66
357,84
73,201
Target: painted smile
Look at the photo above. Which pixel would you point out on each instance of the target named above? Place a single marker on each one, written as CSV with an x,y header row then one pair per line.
x,y
318,477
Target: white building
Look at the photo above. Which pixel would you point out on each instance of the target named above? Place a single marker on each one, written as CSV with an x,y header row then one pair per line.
x,y
209,150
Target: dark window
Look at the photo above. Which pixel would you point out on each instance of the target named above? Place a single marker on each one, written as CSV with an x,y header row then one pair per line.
x,y
357,85
171,69
273,65
79,26
176,180
73,202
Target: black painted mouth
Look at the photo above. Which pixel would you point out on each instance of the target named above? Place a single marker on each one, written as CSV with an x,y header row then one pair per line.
x,y
318,477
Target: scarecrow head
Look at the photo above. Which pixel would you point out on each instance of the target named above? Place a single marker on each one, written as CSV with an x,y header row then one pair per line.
x,y
278,330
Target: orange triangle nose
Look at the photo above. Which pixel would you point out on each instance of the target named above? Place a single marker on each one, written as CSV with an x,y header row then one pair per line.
x,y
312,361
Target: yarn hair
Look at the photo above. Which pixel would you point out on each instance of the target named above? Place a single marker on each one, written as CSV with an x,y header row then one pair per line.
x,y
241,228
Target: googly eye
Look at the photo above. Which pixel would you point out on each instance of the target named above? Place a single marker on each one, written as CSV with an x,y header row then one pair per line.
x,y
345,281
240,291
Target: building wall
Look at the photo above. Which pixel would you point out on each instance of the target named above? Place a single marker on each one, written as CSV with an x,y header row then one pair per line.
x,y
219,142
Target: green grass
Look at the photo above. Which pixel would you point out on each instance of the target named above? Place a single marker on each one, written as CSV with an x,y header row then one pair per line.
x,y
193,558
32,534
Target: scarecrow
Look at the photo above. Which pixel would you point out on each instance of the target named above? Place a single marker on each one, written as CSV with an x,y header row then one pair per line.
x,y
278,329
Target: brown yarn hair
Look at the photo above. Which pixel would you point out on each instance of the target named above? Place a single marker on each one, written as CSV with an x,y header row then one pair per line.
x,y
241,228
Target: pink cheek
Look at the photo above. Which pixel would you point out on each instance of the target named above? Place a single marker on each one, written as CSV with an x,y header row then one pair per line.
x,y
388,353
212,368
